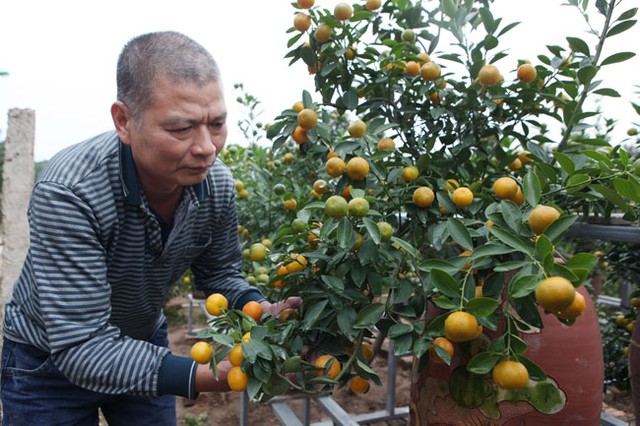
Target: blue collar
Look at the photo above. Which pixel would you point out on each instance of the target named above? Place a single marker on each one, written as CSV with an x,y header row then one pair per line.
x,y
129,178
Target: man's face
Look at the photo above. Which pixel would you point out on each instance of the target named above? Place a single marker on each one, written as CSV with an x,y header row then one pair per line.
x,y
179,138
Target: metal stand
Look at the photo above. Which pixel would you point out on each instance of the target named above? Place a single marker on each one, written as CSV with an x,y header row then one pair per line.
x,y
338,415
244,409
200,302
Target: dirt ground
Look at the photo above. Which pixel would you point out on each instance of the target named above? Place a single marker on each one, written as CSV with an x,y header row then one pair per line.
x,y
224,409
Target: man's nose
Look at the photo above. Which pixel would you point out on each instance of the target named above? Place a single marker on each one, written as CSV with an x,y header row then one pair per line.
x,y
203,143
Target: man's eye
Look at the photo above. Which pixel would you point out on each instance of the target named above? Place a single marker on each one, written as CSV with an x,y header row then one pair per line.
x,y
181,129
217,124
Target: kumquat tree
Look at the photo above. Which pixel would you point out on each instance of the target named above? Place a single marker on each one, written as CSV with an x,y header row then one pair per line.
x,y
422,192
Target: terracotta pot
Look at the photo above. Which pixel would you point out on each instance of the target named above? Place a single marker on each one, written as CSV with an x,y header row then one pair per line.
x,y
572,358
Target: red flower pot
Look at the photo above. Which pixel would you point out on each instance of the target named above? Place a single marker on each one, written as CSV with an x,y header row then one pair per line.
x,y
570,355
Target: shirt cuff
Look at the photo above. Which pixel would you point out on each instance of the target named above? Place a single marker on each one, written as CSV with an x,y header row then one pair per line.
x,y
177,376
251,295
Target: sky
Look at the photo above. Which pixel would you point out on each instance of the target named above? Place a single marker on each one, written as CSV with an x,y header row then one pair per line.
x,y
61,56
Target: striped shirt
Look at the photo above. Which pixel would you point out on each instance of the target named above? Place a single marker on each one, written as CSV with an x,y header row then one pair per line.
x,y
97,271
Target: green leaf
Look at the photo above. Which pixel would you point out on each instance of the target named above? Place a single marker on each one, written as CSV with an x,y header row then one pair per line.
x,y
548,263
628,14
355,193
565,162
442,353
544,246
512,214
316,205
482,306
253,387
528,311
449,8
607,92
275,129
522,244
402,344
430,264
294,39
368,252
484,362
521,286
490,42
576,182
586,74
398,330
535,372
407,247
334,282
350,99
328,69
435,327
312,314
307,100
261,349
511,266
369,315
261,372
518,345
567,273
452,57
362,365
224,340
346,236
444,303
532,188
372,229
487,20
621,27
612,196
559,226
582,261
346,317
626,189
618,57
634,183
599,157
490,249
508,28
579,45
445,283
460,233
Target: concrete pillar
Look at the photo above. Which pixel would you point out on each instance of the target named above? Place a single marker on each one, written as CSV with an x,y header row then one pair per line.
x,y
17,183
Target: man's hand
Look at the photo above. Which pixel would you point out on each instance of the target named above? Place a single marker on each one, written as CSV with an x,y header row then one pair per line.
x,y
205,382
274,309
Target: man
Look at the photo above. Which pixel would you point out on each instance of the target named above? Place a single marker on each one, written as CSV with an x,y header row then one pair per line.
x,y
114,221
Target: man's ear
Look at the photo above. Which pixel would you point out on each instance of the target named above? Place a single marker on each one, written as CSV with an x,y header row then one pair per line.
x,y
122,120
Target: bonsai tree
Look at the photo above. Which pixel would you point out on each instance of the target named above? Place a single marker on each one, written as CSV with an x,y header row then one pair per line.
x,y
419,194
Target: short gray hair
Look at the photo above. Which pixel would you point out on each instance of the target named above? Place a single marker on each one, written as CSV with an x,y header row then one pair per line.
x,y
148,57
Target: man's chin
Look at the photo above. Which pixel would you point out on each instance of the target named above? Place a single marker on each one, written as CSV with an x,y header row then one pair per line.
x,y
193,179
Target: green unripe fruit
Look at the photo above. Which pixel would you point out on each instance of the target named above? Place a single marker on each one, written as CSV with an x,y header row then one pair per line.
x,y
358,207
409,36
386,231
298,225
336,207
279,189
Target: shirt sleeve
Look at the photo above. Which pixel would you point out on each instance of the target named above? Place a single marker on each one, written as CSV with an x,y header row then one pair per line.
x,y
69,268
177,376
